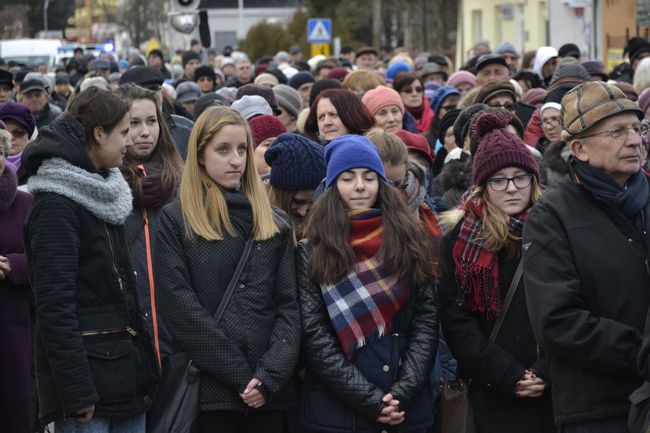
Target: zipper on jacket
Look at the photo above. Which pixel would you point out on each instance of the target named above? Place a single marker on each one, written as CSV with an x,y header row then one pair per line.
x,y
97,332
110,245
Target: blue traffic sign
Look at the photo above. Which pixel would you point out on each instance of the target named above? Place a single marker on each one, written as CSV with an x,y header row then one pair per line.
x,y
319,30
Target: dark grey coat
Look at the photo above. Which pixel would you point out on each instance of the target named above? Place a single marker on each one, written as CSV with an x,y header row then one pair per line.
x,y
259,334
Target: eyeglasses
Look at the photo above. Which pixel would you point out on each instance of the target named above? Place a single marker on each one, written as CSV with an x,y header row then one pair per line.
x,y
551,122
412,89
508,106
18,133
623,131
501,183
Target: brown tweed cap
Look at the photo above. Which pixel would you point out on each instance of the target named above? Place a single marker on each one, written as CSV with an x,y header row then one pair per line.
x,y
588,103
493,89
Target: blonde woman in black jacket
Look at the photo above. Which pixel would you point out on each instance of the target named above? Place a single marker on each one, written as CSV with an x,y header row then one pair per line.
x,y
247,359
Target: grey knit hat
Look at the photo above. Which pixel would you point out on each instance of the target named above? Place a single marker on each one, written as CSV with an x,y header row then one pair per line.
x,y
505,48
569,70
288,98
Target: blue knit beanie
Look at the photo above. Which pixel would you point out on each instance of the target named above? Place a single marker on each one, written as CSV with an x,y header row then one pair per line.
x,y
296,163
348,152
396,68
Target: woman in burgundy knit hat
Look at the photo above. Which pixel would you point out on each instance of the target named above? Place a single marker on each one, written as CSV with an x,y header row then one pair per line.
x,y
492,339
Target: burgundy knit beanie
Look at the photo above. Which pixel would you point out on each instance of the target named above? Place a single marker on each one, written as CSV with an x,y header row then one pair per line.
x,y
265,126
498,149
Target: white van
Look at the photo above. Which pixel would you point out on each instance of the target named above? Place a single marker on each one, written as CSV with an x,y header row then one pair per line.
x,y
30,52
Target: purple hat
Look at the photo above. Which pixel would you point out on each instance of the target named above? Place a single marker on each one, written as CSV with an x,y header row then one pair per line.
x,y
18,113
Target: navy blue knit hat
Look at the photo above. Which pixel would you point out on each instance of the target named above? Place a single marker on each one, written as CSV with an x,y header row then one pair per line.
x,y
301,78
296,163
348,152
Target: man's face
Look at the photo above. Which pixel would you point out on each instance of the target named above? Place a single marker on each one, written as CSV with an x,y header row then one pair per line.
x,y
243,72
5,93
35,100
492,73
612,146
190,67
366,61
154,61
512,60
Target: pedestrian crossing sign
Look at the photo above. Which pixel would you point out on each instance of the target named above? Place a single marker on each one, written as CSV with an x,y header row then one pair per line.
x,y
319,30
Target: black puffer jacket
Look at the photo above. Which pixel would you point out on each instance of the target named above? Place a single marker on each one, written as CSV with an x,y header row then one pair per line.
x,y
339,396
91,343
586,278
258,335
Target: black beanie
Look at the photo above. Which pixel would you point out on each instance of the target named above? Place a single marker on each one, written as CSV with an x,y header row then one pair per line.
x,y
205,71
447,122
638,46
189,55
321,85
461,125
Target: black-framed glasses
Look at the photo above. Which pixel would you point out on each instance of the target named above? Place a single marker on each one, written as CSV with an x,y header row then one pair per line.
x,y
508,106
501,183
622,131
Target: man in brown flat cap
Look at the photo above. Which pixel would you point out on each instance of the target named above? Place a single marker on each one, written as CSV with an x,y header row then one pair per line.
x,y
586,262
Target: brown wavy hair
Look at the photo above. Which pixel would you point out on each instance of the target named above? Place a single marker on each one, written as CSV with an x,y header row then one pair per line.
x,y
354,115
405,247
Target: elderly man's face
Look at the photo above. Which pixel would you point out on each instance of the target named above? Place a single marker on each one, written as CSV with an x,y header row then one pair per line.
x,y
35,100
618,156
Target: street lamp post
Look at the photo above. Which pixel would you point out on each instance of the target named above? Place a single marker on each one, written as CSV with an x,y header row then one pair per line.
x,y
45,6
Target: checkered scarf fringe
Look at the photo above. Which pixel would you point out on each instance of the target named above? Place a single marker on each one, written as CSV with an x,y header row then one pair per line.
x,y
362,306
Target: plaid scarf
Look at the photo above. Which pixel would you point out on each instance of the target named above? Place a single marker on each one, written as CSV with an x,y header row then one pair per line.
x,y
477,269
363,305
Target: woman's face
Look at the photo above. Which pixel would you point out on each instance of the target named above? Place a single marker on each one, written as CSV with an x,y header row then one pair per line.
x,y
224,157
449,141
301,204
515,198
110,148
330,125
144,129
412,94
551,125
358,188
19,136
396,173
260,162
389,118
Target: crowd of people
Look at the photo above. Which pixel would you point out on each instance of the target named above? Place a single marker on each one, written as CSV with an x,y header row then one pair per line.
x,y
328,240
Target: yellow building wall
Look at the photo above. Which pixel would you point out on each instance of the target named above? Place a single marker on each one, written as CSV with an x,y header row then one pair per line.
x,y
480,19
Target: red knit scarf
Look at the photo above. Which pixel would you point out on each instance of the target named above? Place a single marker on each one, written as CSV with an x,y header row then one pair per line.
x,y
477,268
366,230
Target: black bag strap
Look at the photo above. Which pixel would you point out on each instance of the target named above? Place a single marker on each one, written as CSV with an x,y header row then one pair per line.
x,y
506,303
234,280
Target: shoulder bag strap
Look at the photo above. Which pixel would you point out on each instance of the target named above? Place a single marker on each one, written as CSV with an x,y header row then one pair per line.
x,y
234,280
508,300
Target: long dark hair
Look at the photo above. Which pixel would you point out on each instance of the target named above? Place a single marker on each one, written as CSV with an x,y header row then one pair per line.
x,y
405,247
165,156
354,115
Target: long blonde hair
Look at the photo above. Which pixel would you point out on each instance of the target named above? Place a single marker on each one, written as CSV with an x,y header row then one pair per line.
x,y
204,207
495,231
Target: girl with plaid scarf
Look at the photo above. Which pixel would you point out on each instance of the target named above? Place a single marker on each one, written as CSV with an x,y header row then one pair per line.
x,y
508,375
369,310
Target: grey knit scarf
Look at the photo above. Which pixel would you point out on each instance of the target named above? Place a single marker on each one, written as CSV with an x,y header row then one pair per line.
x,y
108,198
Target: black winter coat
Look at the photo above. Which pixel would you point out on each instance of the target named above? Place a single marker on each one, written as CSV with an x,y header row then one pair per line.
x,y
339,396
494,368
586,278
90,340
258,335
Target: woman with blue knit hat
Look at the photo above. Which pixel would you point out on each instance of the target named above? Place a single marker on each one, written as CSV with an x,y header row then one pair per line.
x,y
297,168
368,307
